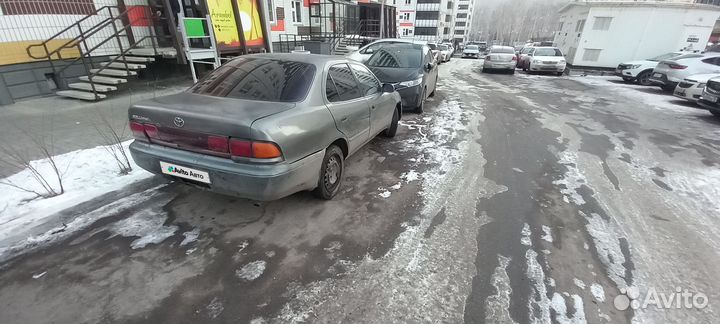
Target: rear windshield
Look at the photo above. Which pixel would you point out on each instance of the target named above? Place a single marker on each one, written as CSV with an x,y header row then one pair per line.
x,y
665,56
396,57
258,79
547,52
443,47
508,50
432,46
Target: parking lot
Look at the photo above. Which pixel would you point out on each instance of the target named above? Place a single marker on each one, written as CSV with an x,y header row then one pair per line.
x,y
522,198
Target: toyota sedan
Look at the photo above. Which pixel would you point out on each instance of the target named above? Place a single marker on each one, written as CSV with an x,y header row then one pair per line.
x,y
265,126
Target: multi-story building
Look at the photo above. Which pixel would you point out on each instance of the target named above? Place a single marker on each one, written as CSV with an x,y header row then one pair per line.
x,y
430,20
463,21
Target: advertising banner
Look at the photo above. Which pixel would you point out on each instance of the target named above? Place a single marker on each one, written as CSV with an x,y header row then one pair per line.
x,y
224,24
251,22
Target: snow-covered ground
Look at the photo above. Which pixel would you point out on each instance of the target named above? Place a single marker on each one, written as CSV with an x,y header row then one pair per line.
x,y
86,174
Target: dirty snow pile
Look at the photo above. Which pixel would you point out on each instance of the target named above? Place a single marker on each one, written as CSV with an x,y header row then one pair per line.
x,y
655,100
87,174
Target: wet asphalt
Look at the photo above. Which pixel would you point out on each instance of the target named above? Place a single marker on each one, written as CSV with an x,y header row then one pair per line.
x,y
512,199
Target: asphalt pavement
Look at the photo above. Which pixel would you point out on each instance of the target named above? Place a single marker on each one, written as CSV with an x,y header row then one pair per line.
x,y
512,199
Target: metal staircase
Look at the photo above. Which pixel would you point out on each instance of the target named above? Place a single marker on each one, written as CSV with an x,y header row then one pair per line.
x,y
93,42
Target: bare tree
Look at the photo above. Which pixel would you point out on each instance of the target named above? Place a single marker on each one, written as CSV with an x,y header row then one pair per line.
x,y
112,138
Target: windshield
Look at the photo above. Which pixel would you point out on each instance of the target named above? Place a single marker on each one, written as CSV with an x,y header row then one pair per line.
x,y
507,50
547,52
258,79
443,47
396,57
471,47
432,46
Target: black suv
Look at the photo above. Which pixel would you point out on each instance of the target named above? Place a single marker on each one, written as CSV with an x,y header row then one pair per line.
x,y
710,99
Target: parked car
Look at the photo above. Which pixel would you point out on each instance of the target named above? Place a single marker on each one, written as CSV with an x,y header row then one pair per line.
x,y
364,53
410,68
668,73
435,48
543,59
691,88
500,58
471,51
640,71
445,52
265,126
710,98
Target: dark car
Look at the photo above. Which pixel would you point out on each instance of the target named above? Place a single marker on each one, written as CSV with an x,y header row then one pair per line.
x,y
265,126
710,98
410,68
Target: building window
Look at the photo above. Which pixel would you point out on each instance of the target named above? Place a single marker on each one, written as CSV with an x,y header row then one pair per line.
x,y
405,31
428,1
460,24
271,10
405,16
296,11
431,15
449,5
591,55
459,32
462,15
446,31
448,18
580,25
602,23
35,7
407,2
463,7
425,31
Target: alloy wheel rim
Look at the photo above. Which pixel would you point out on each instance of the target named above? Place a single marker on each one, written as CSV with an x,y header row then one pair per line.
x,y
332,171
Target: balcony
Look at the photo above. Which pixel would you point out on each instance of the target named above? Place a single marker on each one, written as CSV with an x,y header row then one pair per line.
x,y
426,23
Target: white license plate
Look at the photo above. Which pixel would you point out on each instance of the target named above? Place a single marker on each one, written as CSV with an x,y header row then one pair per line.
x,y
184,172
680,92
657,75
709,97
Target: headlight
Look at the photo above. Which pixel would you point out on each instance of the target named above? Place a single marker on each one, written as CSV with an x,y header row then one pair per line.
x,y
636,66
537,61
411,83
701,85
562,62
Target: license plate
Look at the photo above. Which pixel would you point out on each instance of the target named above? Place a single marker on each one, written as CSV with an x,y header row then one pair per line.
x,y
709,97
618,71
680,92
657,75
184,172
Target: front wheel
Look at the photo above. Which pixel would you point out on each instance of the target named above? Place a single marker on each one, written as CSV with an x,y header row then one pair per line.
x,y
644,78
331,173
628,79
392,129
421,105
559,74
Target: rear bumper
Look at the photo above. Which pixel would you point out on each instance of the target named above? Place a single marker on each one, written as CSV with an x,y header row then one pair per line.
x,y
410,97
547,67
252,181
471,55
500,65
693,93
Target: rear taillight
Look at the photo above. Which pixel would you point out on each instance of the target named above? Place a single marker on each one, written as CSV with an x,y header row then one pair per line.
x,y
217,143
251,149
487,58
138,131
151,130
677,66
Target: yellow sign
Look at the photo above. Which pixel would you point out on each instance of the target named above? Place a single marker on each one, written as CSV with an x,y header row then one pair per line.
x,y
251,22
224,26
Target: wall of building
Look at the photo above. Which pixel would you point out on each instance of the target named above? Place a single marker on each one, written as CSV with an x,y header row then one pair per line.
x,y
634,32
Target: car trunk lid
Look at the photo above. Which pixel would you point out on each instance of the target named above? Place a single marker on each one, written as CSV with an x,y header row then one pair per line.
x,y
497,57
191,121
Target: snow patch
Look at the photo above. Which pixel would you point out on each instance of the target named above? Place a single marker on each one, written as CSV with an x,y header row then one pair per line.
x,y
547,234
525,238
561,316
606,239
579,283
384,193
147,225
518,170
39,275
573,179
190,237
396,186
410,176
598,292
215,308
497,307
251,271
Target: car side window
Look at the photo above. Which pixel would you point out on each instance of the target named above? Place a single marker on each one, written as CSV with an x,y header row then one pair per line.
x,y
330,90
369,85
374,47
347,87
712,60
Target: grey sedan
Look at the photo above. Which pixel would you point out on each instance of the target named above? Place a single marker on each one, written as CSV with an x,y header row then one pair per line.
x,y
265,126
500,58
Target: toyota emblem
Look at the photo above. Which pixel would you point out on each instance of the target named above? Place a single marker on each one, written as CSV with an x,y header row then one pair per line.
x,y
179,122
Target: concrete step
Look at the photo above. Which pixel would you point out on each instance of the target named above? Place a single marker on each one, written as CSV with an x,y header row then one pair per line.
x,y
136,59
103,80
88,87
120,65
80,95
113,72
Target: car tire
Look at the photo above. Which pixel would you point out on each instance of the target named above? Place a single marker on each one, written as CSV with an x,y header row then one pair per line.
x,y
628,79
421,105
331,173
432,94
644,78
512,71
392,129
483,70
559,73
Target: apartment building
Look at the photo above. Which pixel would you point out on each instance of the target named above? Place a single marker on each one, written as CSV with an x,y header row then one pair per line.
x,y
463,21
429,20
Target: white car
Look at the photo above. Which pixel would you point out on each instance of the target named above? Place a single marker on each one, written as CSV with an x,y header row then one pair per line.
x,y
640,71
445,52
364,53
691,88
667,74
500,58
471,51
544,59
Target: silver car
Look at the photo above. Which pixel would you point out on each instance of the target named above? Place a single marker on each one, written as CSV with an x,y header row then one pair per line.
x,y
265,126
500,58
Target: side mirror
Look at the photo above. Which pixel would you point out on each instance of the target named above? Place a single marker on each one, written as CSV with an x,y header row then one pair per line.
x,y
388,88
429,66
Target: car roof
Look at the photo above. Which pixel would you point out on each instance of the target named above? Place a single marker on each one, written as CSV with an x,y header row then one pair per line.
x,y
316,59
553,47
400,40
409,45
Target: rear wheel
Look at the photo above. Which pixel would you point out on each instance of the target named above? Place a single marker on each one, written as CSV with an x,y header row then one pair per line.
x,y
432,94
331,173
628,79
644,78
512,71
392,129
